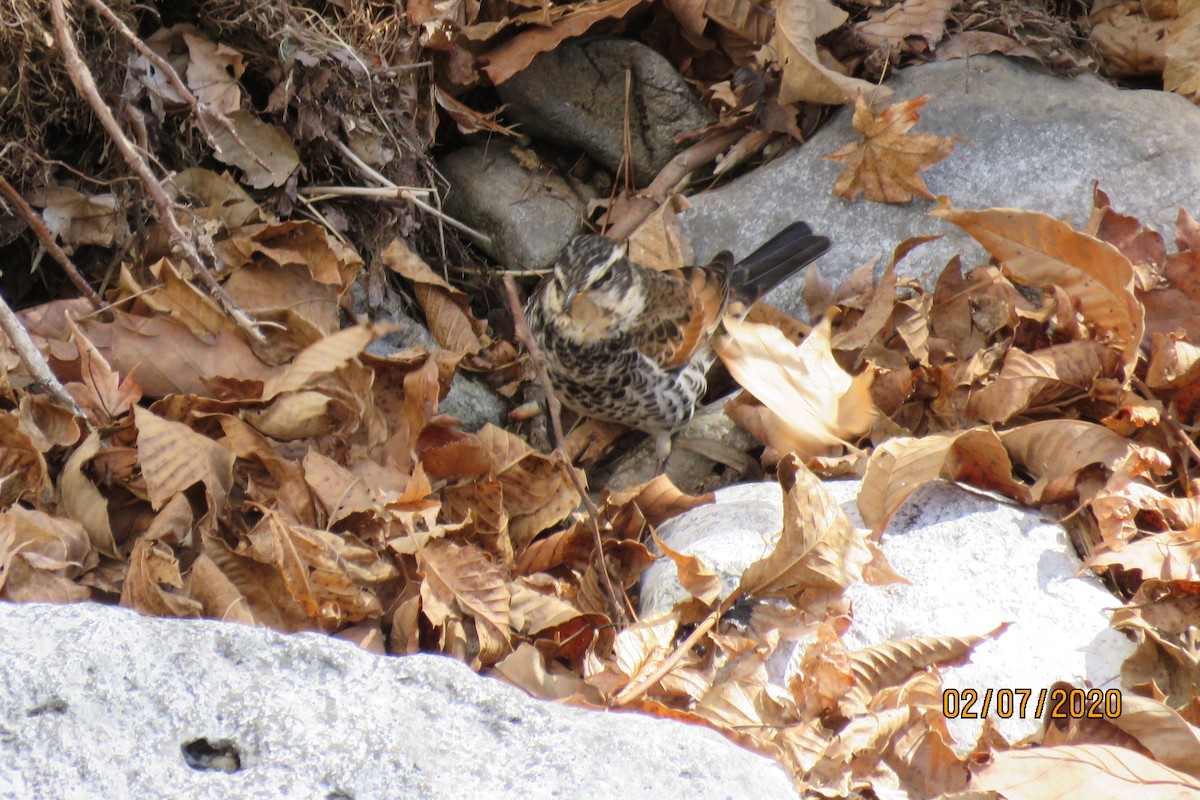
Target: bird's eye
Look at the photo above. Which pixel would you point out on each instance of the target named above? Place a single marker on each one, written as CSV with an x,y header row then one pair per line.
x,y
603,279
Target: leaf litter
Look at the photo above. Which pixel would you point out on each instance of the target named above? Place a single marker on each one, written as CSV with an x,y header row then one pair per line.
x,y
305,482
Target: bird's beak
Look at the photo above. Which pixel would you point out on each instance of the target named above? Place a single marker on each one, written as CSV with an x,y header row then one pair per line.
x,y
571,296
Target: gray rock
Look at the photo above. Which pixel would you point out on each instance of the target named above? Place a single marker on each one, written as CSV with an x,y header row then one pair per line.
x,y
529,214
575,95
97,702
687,467
974,563
1037,143
474,404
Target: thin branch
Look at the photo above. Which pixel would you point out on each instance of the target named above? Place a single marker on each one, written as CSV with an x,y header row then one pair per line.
x,y
409,195
552,405
33,359
631,693
678,168
85,84
47,239
180,87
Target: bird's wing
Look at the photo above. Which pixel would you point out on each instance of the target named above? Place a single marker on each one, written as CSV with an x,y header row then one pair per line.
x,y
683,308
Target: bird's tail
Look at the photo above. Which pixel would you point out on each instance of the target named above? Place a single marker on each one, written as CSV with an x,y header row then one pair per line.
x,y
784,254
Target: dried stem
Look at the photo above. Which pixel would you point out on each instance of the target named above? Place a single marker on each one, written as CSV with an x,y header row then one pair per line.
x,y
645,203
552,405
631,693
85,84
409,195
47,239
180,87
1172,423
33,359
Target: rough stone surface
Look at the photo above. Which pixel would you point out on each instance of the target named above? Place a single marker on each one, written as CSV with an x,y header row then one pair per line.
x,y
1036,142
97,702
529,214
575,95
474,404
687,466
974,564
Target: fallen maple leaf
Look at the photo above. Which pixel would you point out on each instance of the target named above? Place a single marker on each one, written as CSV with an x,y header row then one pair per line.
x,y
884,165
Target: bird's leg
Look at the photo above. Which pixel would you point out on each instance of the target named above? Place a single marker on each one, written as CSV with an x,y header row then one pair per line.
x,y
662,449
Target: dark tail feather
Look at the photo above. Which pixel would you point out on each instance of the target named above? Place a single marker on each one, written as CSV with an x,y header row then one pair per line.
x,y
784,254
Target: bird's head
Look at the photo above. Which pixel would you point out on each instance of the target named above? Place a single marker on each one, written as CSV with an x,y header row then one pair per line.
x,y
594,286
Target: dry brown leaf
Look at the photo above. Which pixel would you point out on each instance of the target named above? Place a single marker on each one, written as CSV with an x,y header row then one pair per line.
x,y
1129,42
1027,382
659,243
77,219
526,669
213,72
42,556
902,465
642,647
23,472
1082,772
1173,362
698,580
884,165
798,25
1039,250
173,458
261,144
153,585
83,502
899,25
1181,72
515,54
891,664
814,402
101,394
447,310
1054,452
461,579
169,358
818,548
977,43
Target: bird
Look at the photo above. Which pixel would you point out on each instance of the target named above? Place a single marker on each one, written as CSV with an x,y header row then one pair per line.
x,y
625,343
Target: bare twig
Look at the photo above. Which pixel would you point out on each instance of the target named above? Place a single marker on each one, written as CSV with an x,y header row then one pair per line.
x,y
317,193
678,168
631,693
33,359
1172,424
552,405
181,88
85,84
47,239
409,195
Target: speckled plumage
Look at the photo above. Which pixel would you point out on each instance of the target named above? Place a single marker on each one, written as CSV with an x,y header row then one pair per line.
x,y
631,345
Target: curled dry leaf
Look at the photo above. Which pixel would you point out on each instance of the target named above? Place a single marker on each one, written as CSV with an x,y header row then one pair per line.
x,y
812,402
1181,72
902,465
42,556
818,548
1059,374
1081,772
78,219
884,165
698,580
23,471
447,310
173,458
515,54
798,25
1038,250
265,154
901,25
461,579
